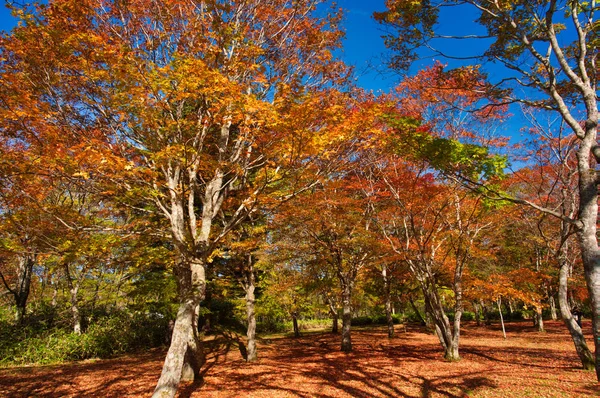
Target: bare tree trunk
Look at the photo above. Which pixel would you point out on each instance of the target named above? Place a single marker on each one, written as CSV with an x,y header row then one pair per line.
x,y
21,290
335,324
74,290
54,293
250,314
486,313
333,313
416,311
74,298
346,317
588,215
501,317
184,358
552,303
388,300
584,353
539,319
477,309
448,338
295,324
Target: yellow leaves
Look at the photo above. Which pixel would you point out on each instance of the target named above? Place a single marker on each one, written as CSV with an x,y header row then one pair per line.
x,y
84,174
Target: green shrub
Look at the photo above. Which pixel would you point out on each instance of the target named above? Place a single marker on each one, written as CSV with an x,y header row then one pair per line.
x,y
271,326
107,336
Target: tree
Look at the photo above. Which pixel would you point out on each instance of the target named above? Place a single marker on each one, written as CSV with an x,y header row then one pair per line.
x,y
179,103
336,231
550,49
551,180
433,226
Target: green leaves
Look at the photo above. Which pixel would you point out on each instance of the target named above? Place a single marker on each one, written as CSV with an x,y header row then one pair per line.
x,y
447,155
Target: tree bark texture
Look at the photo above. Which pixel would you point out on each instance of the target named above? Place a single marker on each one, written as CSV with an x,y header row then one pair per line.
x,y
74,299
588,241
250,314
477,309
346,317
552,304
501,317
388,300
185,355
581,347
295,325
539,320
20,291
333,312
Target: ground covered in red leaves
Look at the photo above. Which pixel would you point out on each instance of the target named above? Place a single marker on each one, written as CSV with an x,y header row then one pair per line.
x,y
526,364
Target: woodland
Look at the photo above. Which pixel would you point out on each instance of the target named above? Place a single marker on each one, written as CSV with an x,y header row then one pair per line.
x,y
176,175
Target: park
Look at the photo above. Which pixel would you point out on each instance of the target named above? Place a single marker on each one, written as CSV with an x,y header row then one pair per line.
x,y
299,198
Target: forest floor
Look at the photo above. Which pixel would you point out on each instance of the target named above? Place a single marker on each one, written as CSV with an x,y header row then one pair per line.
x,y
526,364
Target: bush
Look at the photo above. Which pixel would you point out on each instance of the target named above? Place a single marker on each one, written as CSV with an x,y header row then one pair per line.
x,y
376,320
108,336
271,326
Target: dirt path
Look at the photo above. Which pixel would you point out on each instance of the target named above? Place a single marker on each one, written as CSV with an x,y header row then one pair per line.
x,y
527,364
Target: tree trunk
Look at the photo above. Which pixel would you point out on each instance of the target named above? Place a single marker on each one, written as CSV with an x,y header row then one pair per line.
x,y
184,358
588,218
74,290
388,301
333,312
477,308
54,294
501,317
581,347
250,314
346,317
334,324
74,299
449,339
486,313
295,324
539,319
21,291
416,311
552,303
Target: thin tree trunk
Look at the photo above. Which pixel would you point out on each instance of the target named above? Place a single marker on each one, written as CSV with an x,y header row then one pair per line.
x,y
486,313
552,303
74,290
477,309
346,317
581,347
335,323
184,358
295,324
250,314
539,319
333,313
416,311
21,291
501,317
54,294
388,301
74,299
